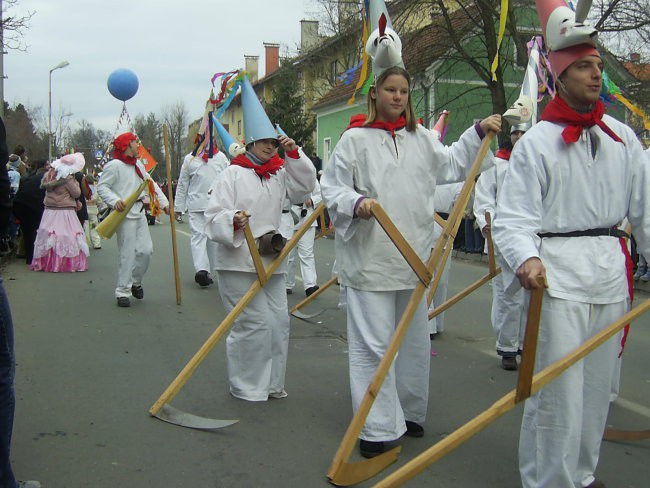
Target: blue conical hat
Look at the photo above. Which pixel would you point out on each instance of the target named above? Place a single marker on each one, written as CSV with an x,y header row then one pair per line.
x,y
256,123
383,45
231,147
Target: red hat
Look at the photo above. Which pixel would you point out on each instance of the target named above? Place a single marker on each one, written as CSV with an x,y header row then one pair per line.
x,y
122,141
562,59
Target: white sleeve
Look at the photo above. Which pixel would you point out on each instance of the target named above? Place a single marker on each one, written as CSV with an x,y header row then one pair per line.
x,y
221,210
180,198
301,177
338,191
485,193
105,185
458,158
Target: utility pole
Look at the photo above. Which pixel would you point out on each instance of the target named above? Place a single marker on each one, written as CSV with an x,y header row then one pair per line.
x,y
2,64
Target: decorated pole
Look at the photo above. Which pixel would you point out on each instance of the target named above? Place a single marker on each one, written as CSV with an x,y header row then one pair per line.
x,y
172,220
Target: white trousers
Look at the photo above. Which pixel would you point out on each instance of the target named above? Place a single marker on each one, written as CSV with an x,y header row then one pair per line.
x,y
563,423
305,251
508,315
90,227
437,324
258,342
372,318
135,249
204,251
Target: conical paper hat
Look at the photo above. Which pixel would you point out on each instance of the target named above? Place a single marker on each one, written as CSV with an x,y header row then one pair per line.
x,y
231,147
529,88
384,45
257,125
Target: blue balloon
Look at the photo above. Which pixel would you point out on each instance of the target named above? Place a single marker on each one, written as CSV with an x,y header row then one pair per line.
x,y
123,84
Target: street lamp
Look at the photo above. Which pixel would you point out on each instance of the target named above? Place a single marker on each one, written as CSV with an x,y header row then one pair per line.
x,y
62,64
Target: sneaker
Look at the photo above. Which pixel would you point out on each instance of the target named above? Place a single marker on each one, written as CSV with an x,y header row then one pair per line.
x,y
289,291
29,484
639,273
278,394
311,290
203,278
123,302
370,449
137,291
413,429
509,363
645,277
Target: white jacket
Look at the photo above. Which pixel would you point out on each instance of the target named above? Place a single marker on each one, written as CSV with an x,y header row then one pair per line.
x,y
552,186
194,181
238,188
402,175
119,180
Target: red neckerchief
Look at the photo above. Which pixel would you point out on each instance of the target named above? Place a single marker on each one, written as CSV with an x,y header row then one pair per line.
x,y
558,111
263,171
130,160
504,153
359,120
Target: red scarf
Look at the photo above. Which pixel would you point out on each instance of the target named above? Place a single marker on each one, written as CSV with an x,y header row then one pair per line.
x,y
558,111
359,120
263,171
504,153
154,204
130,160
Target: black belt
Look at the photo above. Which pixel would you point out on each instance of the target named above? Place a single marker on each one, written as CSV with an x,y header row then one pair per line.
x,y
611,231
286,211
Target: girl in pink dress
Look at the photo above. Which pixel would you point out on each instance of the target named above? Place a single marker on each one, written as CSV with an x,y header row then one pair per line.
x,y
61,244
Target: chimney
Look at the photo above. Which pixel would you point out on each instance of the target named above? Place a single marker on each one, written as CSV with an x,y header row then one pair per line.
x,y
308,35
635,58
251,66
272,57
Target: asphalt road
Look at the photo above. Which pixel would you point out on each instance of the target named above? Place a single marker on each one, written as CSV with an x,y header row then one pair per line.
x,y
88,372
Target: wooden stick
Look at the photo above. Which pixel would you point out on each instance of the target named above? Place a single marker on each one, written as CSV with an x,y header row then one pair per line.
x,y
354,429
505,403
492,266
439,220
625,435
401,244
322,288
255,254
461,294
180,380
529,348
172,215
321,224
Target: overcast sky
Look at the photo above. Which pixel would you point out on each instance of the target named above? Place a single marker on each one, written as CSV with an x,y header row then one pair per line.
x,y
174,46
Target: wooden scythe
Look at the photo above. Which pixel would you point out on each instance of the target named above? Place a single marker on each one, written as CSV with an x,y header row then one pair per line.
x,y
172,217
161,409
295,311
341,472
493,270
506,403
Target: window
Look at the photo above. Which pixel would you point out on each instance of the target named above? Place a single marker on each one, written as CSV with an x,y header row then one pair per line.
x,y
239,127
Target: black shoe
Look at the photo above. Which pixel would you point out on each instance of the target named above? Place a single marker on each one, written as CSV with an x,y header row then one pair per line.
x,y
413,429
370,449
289,291
311,290
137,292
509,363
123,302
203,278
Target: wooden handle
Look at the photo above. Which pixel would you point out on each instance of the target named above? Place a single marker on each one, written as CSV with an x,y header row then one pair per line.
x,y
529,348
402,245
255,254
172,216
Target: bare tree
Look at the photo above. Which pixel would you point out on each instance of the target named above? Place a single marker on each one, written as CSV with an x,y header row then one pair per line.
x,y
13,27
176,117
624,26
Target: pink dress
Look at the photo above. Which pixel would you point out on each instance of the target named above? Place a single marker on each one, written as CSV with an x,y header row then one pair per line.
x,y
60,245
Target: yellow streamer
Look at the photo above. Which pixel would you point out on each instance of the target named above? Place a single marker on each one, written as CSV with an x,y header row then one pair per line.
x,y
364,67
502,29
634,109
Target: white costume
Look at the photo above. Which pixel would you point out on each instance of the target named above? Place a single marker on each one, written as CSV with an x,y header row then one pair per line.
x,y
196,177
258,341
117,182
305,246
443,201
401,172
508,317
555,187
